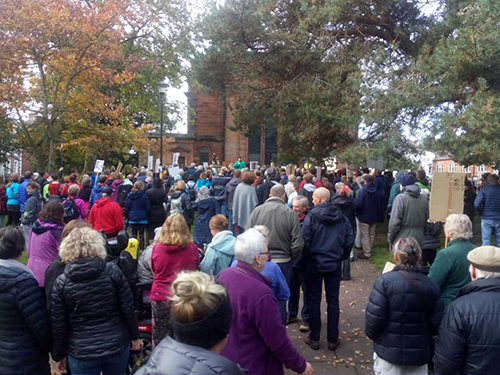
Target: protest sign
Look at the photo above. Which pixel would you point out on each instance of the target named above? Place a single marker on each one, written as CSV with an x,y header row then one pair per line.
x,y
150,162
447,195
172,171
99,165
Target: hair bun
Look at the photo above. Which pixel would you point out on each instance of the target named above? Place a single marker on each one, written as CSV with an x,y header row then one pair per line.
x,y
189,288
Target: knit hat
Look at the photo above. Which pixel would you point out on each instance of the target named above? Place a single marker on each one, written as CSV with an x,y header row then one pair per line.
x,y
207,332
177,177
399,175
408,179
486,258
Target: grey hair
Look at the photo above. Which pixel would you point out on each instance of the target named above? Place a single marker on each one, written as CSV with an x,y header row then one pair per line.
x,y
303,201
277,191
73,190
82,243
481,274
248,245
458,226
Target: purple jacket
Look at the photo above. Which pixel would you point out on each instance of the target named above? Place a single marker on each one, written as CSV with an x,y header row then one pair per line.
x,y
80,205
257,340
115,185
43,247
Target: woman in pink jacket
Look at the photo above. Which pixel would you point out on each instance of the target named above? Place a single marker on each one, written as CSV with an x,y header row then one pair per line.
x,y
174,252
45,238
73,191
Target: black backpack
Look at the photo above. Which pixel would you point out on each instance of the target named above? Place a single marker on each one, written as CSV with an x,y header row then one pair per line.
x,y
70,210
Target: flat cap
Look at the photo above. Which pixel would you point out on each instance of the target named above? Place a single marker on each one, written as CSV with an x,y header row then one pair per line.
x,y
486,258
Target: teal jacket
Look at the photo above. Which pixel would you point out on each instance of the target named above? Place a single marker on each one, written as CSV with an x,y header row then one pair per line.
x,y
219,254
450,270
395,190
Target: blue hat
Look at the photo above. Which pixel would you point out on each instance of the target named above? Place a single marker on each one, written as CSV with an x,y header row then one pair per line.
x,y
408,179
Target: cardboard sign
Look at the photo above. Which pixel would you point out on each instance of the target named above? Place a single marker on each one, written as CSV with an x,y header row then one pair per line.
x,y
447,195
119,167
388,267
99,166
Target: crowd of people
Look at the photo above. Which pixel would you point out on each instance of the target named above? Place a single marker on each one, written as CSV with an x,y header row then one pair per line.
x,y
228,251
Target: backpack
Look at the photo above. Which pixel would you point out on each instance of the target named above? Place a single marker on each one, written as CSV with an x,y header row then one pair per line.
x,y
191,191
176,205
70,210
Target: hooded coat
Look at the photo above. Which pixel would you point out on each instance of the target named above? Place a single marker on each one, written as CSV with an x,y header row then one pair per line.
x,y
395,190
157,197
409,215
469,337
137,206
91,311
166,262
368,204
347,206
115,185
328,238
24,325
96,194
32,208
106,215
229,191
44,241
219,254
308,191
207,208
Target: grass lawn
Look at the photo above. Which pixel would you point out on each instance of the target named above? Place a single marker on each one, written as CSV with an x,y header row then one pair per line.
x,y
381,255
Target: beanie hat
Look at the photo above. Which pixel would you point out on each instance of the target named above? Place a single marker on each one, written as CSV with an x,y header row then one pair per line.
x,y
207,332
408,179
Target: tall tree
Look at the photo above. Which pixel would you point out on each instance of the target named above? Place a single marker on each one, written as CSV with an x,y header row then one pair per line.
x,y
86,67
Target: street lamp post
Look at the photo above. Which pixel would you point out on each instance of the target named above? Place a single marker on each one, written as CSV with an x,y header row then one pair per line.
x,y
162,88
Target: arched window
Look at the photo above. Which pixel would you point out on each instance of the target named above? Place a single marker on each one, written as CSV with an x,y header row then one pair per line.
x,y
466,169
452,167
439,167
204,155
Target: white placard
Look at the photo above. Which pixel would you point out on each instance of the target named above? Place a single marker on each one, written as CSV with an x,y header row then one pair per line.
x,y
174,171
158,165
205,165
175,158
150,162
99,165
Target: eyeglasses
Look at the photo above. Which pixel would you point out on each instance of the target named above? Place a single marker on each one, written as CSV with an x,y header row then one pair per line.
x,y
268,255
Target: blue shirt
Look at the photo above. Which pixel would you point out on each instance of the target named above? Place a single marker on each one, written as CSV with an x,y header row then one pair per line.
x,y
12,192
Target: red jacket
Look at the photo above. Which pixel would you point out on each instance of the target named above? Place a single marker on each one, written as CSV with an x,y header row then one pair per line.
x,y
166,262
106,214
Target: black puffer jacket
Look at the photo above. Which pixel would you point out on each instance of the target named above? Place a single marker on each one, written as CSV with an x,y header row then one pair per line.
x,y
91,311
347,206
24,326
431,235
469,337
157,196
396,321
173,357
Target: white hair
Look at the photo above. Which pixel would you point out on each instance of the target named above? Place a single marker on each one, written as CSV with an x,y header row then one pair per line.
x,y
248,245
481,274
458,226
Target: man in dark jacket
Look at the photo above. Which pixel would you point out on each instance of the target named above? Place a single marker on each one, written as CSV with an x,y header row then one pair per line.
x,y
487,203
409,214
229,195
265,188
469,336
218,191
32,209
367,211
96,193
328,239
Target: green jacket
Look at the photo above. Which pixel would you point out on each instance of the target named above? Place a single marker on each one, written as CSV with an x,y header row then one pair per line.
x,y
450,270
409,215
395,190
240,164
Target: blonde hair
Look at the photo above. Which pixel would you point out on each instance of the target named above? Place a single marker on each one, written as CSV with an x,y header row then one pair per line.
x,y
458,226
218,222
180,185
194,296
408,251
82,243
138,185
175,231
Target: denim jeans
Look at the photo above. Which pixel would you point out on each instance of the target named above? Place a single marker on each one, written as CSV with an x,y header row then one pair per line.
x,y
115,364
286,268
314,285
231,225
222,207
487,229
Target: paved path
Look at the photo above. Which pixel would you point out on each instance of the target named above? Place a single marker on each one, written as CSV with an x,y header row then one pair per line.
x,y
355,354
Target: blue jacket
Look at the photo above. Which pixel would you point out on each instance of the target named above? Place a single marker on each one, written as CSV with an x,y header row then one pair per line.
x,y
487,202
22,195
219,254
200,183
96,194
380,182
368,204
219,186
137,206
206,209
400,327
328,238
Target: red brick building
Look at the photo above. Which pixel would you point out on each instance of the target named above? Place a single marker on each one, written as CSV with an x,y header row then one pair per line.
x,y
444,163
209,131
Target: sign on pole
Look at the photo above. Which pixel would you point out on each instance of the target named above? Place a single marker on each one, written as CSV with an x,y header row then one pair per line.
x,y
99,166
158,166
447,195
175,158
150,162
